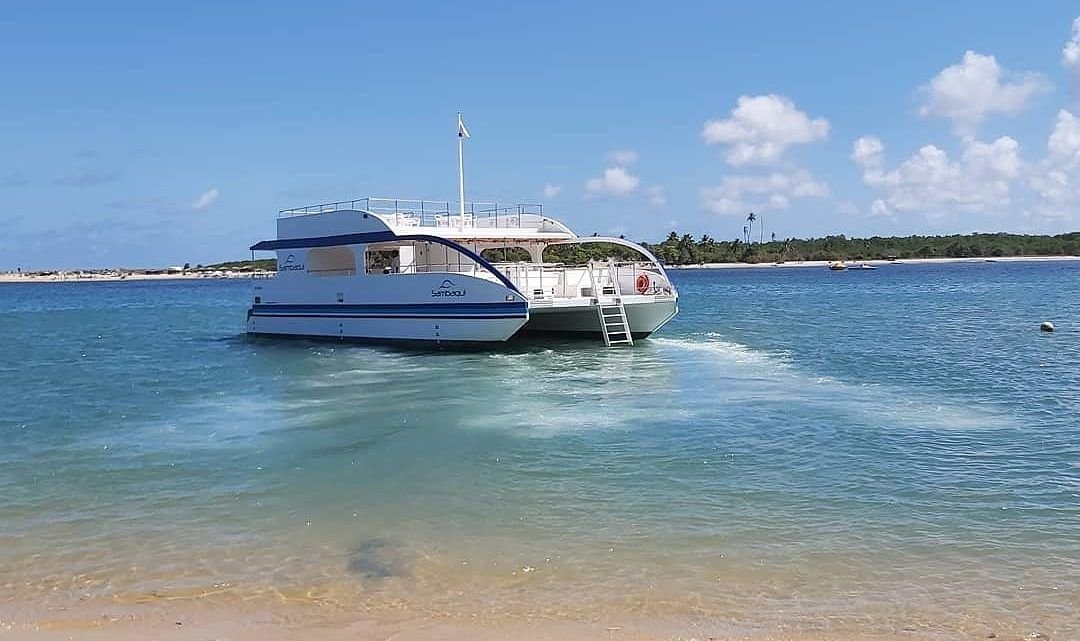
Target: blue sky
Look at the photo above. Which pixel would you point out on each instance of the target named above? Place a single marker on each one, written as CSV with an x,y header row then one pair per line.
x,y
138,133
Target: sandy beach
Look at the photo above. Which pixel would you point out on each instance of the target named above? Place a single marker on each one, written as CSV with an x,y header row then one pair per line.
x,y
878,262
85,276
118,276
307,618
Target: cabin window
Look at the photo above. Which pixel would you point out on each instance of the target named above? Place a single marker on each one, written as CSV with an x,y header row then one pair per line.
x,y
582,253
415,258
382,260
331,261
387,258
506,255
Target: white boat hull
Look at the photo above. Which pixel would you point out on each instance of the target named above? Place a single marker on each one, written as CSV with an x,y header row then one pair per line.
x,y
644,318
419,307
435,330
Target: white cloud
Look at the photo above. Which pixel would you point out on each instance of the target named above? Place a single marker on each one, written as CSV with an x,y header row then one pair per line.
x,y
967,92
1070,55
1056,180
616,181
868,150
1064,143
929,182
998,159
623,157
737,194
761,128
987,177
657,196
205,199
551,191
847,208
778,201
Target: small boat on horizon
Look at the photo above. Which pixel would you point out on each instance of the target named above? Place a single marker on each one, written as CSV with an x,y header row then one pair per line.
x,y
837,266
862,266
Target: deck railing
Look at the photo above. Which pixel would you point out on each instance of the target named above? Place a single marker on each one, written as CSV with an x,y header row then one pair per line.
x,y
433,213
543,281
558,280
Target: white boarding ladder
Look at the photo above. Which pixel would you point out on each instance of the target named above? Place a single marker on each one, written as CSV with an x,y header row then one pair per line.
x,y
610,310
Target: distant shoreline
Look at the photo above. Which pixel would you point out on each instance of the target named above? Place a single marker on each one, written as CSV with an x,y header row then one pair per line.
x,y
79,276
880,262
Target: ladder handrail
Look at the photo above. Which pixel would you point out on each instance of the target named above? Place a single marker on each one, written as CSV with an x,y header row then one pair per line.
x,y
592,282
616,320
614,276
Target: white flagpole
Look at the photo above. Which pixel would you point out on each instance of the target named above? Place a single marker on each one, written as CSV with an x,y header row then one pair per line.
x,y
461,172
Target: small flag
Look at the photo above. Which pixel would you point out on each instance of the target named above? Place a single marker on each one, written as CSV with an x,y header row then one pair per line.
x,y
462,132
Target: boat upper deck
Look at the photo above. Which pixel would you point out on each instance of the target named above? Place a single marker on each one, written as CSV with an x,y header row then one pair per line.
x,y
442,218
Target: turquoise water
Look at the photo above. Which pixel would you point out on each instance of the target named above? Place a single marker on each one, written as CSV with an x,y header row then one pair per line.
x,y
872,449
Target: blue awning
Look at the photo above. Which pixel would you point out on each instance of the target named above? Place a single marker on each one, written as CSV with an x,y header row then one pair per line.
x,y
378,237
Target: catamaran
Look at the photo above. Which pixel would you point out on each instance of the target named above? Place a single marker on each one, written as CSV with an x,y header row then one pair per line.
x,y
394,269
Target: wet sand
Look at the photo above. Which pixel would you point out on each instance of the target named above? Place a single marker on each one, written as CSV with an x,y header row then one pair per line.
x,y
931,613
169,622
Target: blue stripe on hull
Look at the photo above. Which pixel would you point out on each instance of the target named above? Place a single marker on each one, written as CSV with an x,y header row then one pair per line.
x,y
419,343
504,310
414,316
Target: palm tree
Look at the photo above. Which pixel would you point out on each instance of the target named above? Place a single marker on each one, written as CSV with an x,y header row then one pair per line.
x,y
746,233
750,218
774,237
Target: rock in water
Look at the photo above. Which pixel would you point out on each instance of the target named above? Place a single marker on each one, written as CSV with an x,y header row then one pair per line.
x,y
1047,326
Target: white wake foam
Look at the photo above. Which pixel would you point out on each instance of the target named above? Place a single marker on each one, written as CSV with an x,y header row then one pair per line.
x,y
775,377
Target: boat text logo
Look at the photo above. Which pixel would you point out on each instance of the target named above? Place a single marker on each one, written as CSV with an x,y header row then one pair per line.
x,y
447,289
290,264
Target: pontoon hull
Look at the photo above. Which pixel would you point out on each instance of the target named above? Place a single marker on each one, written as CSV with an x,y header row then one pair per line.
x,y
406,307
644,319
434,330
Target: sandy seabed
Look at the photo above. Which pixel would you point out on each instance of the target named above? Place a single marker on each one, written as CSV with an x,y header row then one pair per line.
x,y
308,618
174,624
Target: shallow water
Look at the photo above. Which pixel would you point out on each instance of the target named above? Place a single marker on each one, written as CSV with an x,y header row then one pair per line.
x,y
880,449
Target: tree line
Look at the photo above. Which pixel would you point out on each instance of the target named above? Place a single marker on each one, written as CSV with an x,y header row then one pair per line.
x,y
685,250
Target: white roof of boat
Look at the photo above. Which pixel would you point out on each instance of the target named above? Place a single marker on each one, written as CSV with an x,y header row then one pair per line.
x,y
481,221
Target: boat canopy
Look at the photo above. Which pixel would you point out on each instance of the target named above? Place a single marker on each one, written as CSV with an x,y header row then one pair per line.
x,y
380,237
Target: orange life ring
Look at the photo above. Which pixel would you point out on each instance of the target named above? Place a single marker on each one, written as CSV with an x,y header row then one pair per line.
x,y
642,283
